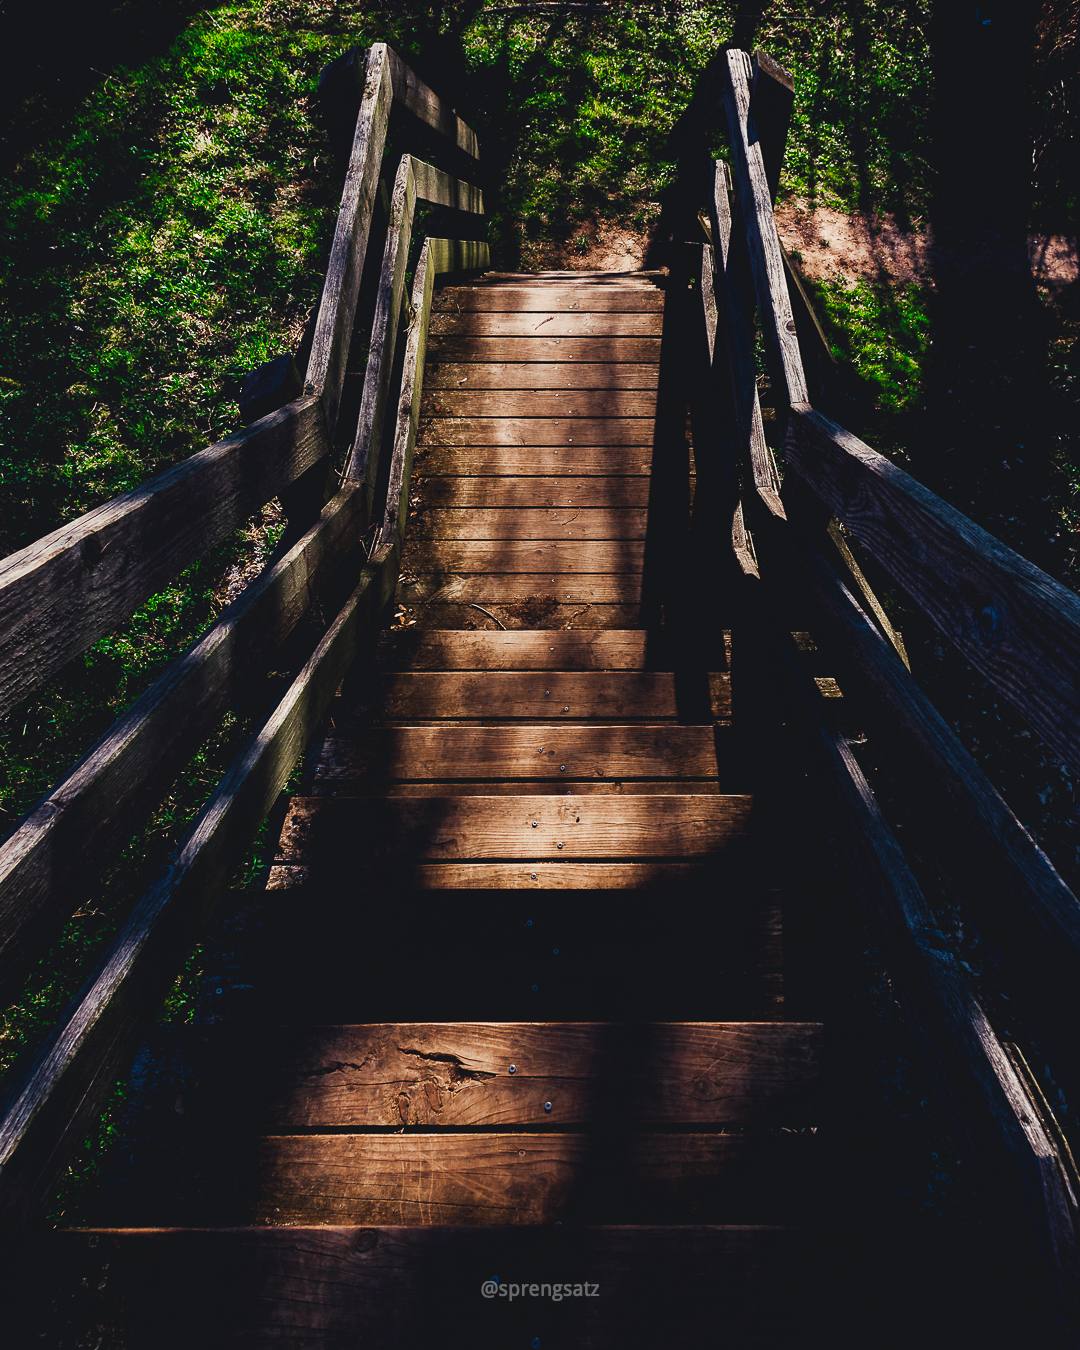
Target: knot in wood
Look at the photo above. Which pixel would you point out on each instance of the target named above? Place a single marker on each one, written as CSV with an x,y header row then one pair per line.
x,y
364,1241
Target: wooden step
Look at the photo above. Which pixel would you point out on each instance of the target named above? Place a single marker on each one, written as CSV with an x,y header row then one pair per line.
x,y
499,1074
568,401
545,697
453,610
540,375
637,350
516,557
522,493
562,298
552,431
515,461
560,753
584,649
560,829
529,524
553,324
526,589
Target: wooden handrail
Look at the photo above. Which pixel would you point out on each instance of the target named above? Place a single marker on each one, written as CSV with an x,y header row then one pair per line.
x,y
59,595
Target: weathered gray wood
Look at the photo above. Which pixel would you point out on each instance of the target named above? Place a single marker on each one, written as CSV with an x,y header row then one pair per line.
x,y
755,203
547,325
63,592
504,494
1015,624
689,826
570,524
412,93
70,836
457,1075
443,189
565,402
596,649
337,307
632,694
565,431
540,375
522,555
540,347
513,461
561,753
522,299
459,255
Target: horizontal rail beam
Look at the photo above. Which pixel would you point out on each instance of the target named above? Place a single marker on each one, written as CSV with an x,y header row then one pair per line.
x,y
62,593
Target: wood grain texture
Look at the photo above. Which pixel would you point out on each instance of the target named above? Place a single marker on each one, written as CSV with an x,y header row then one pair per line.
x,y
458,493
412,93
522,787
474,828
66,590
539,431
1015,624
525,694
548,325
536,874
337,306
458,255
597,649
545,347
442,189
434,1076
548,298
72,834
571,556
566,615
515,461
564,523
528,1178
565,402
561,753
540,375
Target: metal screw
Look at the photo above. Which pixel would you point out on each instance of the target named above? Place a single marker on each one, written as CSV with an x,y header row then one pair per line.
x,y
557,846
567,708
540,751
534,827
533,875
547,693
513,1068
547,1106
562,768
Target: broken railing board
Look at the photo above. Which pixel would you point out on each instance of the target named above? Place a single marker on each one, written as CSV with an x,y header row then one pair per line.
x,y
533,1178
540,375
562,753
614,324
541,347
1015,624
436,1076
583,650
63,592
68,839
474,828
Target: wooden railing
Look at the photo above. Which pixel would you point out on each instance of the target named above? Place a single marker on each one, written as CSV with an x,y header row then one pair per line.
x,y
61,594
1014,624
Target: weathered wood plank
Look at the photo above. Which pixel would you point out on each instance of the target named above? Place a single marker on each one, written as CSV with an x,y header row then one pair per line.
x,y
521,555
412,93
446,1075
63,592
490,787
459,255
459,493
443,189
74,831
524,523
548,325
548,695
535,875
1015,624
540,375
547,297
597,649
545,347
538,431
472,828
532,588
566,402
534,614
510,461
561,753
530,1178
337,307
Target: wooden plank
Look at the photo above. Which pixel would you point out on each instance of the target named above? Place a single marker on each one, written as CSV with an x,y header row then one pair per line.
x,y
548,695
457,1075
405,874
442,189
525,299
521,431
547,325
588,787
522,555
532,588
560,753
529,1178
449,828
565,523
459,255
513,461
1014,623
545,347
521,493
337,306
597,649
412,93
541,375
564,402
755,203
533,614
72,834
66,590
